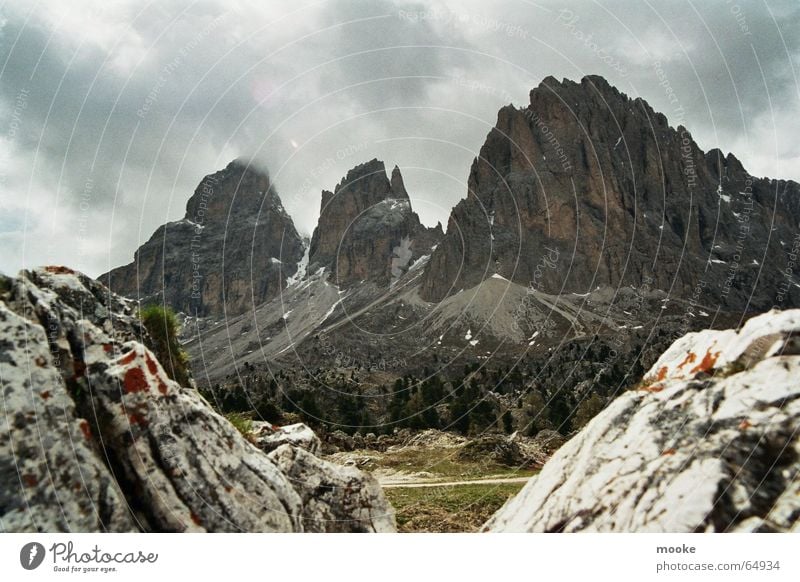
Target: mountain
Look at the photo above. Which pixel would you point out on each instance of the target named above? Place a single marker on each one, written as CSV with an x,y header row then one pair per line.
x,y
235,248
367,229
593,235
368,249
587,188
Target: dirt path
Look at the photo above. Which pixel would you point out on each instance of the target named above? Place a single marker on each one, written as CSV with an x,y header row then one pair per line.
x,y
415,484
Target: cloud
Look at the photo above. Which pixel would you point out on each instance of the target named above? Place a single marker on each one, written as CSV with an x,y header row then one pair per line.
x,y
112,111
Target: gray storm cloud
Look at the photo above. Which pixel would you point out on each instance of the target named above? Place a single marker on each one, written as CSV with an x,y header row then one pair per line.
x,y
111,113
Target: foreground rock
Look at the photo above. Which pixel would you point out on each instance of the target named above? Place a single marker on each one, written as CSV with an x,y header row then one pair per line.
x,y
710,442
96,437
84,496
269,437
334,498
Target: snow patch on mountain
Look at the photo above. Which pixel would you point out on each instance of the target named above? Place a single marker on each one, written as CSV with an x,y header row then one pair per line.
x,y
302,265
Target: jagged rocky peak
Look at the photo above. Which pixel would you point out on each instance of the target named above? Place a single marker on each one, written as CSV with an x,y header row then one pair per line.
x,y
397,185
367,230
367,184
586,187
235,247
211,200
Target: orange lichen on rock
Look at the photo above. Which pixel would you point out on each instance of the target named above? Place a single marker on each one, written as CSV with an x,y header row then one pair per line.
x,y
689,359
59,270
86,430
151,365
707,363
668,452
135,381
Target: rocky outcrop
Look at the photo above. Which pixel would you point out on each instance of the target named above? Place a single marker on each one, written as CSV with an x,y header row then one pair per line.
x,y
586,187
496,449
96,437
83,496
268,437
334,498
710,441
537,450
367,230
234,248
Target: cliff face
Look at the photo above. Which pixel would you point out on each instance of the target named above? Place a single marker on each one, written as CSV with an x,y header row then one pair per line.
x,y
234,248
367,230
603,188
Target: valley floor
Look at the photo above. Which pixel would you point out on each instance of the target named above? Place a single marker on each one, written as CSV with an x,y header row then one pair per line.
x,y
435,485
455,508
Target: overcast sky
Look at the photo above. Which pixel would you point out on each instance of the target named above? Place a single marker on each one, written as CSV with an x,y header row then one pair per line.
x,y
111,111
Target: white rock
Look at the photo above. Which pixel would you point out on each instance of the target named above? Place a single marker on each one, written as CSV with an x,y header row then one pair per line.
x,y
335,498
682,454
710,350
51,477
269,437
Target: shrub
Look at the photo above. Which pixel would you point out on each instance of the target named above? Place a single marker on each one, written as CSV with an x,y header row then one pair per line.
x,y
162,325
242,422
508,422
587,410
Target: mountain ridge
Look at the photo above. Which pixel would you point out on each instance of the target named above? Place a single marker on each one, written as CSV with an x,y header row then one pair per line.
x,y
544,166
589,222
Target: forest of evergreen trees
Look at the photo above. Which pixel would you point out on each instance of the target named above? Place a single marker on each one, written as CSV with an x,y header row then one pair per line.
x,y
474,402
